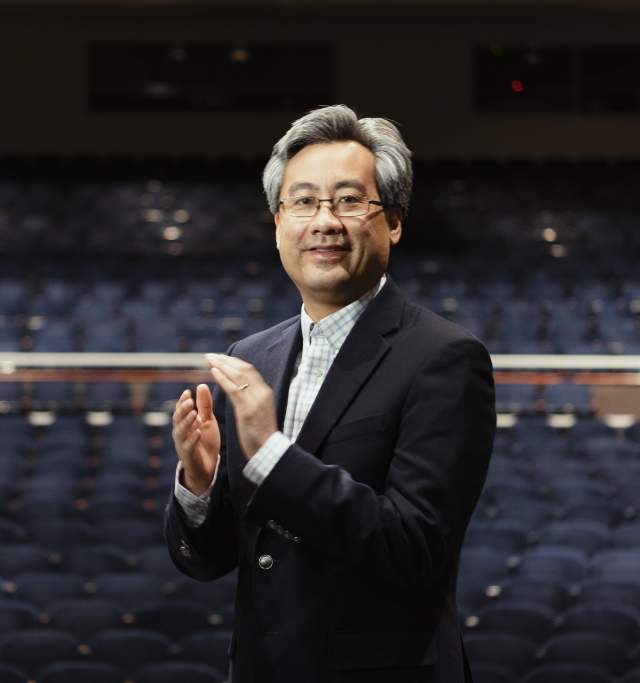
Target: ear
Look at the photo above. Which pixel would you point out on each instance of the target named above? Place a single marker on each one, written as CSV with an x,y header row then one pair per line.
x,y
276,220
394,221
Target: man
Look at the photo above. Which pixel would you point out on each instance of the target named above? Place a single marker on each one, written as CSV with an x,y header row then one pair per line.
x,y
347,446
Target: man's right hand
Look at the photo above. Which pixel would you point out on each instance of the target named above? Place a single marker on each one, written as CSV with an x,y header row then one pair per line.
x,y
197,438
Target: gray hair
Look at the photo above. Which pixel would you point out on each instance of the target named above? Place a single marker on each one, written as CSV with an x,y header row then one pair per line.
x,y
394,174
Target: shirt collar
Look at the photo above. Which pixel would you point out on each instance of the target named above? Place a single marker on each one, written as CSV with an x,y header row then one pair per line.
x,y
335,327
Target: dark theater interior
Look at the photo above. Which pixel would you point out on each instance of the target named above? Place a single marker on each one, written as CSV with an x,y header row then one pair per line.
x,y
135,237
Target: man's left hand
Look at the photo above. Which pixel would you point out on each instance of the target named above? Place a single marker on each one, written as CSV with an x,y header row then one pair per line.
x,y
251,397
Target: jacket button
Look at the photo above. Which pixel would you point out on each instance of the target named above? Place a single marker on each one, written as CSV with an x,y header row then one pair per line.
x,y
185,550
265,562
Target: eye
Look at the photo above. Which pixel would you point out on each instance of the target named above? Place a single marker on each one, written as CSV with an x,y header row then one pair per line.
x,y
350,199
303,201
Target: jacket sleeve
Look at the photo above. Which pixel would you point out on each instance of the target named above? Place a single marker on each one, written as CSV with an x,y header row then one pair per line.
x,y
209,550
410,533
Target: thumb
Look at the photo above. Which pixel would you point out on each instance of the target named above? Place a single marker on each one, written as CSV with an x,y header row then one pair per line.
x,y
205,402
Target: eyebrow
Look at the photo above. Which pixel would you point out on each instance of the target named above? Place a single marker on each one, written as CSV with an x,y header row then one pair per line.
x,y
352,182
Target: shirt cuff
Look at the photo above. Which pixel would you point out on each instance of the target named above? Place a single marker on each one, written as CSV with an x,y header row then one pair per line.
x,y
195,507
266,458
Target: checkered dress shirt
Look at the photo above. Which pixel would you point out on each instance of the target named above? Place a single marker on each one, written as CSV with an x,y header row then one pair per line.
x,y
320,345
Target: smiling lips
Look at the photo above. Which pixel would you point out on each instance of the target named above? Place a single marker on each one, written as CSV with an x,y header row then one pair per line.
x,y
329,248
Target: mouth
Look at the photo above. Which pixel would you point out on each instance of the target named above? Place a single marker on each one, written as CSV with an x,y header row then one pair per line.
x,y
328,253
329,248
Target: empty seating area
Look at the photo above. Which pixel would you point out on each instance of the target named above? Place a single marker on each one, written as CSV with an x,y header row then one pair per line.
x,y
85,576
534,259
549,571
196,307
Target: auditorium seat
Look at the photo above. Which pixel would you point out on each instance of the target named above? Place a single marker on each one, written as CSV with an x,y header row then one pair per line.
x,y
621,622
84,617
210,647
533,514
20,558
12,674
486,673
503,536
176,618
513,653
79,672
525,619
609,512
618,564
106,335
566,673
130,590
218,594
155,560
602,651
483,565
130,649
16,615
95,559
583,534
627,535
131,534
44,588
552,593
31,649
599,590
567,398
105,396
60,534
179,672
563,564
115,506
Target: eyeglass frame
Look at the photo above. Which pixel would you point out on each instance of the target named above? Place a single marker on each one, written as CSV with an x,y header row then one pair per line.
x,y
376,202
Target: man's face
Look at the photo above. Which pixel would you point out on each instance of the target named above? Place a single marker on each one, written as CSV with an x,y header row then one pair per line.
x,y
333,260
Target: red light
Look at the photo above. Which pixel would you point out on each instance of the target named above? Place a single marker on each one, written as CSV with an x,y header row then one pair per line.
x,y
517,86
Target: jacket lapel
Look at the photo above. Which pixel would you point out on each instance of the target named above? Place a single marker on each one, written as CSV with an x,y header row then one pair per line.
x,y
363,349
277,366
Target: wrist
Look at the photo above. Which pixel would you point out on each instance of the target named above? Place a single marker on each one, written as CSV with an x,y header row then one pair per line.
x,y
195,485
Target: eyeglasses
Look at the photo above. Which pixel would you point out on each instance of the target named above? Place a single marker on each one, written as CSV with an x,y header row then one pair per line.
x,y
343,205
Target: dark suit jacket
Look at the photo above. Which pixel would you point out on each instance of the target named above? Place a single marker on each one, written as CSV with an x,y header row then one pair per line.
x,y
363,516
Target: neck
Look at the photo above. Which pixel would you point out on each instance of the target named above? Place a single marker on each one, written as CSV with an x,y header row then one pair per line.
x,y
317,308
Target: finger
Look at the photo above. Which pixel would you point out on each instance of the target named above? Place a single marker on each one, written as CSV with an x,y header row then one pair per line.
x,y
231,361
192,440
184,396
204,401
235,374
182,409
183,427
226,383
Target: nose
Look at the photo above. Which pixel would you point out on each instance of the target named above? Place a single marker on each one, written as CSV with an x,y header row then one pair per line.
x,y
325,221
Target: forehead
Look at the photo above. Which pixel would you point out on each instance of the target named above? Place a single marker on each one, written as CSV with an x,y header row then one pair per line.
x,y
326,164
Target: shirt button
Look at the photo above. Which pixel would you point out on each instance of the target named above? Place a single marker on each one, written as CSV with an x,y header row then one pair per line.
x,y
265,562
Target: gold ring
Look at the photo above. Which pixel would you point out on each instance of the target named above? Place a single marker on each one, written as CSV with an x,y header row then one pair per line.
x,y
243,387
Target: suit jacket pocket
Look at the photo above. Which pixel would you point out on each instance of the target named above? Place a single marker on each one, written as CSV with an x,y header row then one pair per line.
x,y
381,650
361,427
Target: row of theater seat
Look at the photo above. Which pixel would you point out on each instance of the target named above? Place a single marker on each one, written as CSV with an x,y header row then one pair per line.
x,y
553,536
111,395
71,671
210,315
